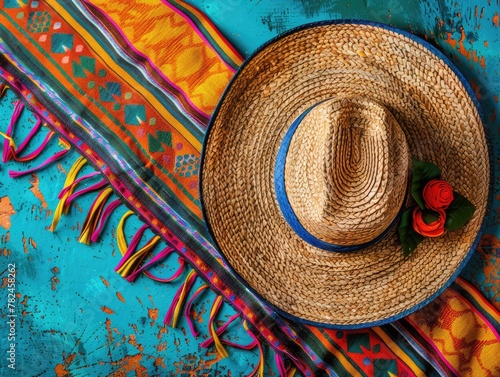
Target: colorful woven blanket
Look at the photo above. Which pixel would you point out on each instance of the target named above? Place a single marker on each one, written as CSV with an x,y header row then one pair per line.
x,y
131,87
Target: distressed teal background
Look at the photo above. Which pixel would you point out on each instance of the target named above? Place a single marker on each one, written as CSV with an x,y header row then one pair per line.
x,y
76,316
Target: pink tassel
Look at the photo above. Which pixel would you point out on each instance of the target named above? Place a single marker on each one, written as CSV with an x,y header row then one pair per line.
x,y
156,259
76,182
132,246
207,343
8,146
102,220
172,315
36,152
187,310
55,157
180,270
94,187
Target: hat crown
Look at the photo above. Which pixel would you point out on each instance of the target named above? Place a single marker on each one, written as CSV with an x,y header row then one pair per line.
x,y
346,171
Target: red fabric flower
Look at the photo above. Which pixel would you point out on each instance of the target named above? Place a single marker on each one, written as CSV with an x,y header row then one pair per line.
x,y
434,229
437,194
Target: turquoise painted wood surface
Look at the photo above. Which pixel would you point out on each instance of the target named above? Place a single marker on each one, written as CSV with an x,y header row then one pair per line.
x,y
76,316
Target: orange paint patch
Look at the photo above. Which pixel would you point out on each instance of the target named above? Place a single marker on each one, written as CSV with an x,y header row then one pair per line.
x,y
461,46
153,314
120,297
159,362
108,329
476,88
32,242
133,340
495,97
104,281
483,62
61,371
35,182
107,310
5,252
6,211
129,364
496,20
452,42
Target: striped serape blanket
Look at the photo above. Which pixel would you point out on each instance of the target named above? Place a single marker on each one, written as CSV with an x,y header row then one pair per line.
x,y
131,87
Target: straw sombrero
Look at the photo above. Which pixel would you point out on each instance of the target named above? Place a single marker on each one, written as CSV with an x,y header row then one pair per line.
x,y
307,163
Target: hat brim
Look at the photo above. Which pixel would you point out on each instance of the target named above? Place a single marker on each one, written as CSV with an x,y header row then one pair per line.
x,y
441,120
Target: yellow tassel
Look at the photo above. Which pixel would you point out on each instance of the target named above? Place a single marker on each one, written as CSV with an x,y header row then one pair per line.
x,y
120,234
261,356
70,178
213,312
128,267
291,372
185,289
95,211
12,144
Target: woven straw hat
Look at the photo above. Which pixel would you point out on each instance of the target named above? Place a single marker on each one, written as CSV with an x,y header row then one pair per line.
x,y
306,165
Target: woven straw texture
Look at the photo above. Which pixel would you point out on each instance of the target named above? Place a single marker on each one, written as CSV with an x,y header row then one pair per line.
x,y
346,171
297,71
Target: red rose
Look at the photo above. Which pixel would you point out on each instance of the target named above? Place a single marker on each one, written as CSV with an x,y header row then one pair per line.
x,y
438,194
434,229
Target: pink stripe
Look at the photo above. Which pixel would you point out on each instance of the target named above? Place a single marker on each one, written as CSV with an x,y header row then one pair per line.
x,y
195,28
216,30
131,46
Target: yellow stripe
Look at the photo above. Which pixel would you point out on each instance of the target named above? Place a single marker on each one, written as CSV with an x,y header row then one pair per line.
x,y
398,351
125,75
237,59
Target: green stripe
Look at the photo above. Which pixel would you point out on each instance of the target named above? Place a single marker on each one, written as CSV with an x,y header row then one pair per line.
x,y
206,34
456,287
123,147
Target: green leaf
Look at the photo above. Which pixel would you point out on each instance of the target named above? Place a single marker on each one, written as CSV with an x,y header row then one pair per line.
x,y
429,216
459,212
408,236
423,172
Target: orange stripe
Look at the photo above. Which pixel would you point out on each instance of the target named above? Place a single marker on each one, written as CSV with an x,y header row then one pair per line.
x,y
339,355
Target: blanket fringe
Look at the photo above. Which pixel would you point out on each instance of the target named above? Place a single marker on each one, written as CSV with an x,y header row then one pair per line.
x,y
172,316
132,259
68,190
11,152
282,369
96,234
259,368
187,309
211,327
132,263
94,213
